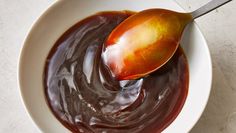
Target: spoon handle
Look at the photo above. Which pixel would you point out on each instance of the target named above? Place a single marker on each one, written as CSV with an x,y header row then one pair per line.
x,y
208,7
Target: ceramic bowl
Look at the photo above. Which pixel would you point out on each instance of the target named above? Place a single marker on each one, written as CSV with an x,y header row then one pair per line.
x,y
65,13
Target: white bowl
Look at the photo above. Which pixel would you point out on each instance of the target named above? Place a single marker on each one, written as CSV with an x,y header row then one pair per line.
x,y
65,13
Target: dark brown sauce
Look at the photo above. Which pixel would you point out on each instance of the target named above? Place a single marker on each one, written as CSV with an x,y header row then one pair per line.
x,y
84,96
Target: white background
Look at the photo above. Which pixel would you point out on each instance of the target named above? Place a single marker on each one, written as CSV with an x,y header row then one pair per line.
x,y
219,28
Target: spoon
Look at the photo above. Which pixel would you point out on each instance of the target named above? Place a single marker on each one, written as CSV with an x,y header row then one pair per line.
x,y
147,40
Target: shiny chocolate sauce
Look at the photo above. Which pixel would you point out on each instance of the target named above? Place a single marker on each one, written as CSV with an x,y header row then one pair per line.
x,y
85,98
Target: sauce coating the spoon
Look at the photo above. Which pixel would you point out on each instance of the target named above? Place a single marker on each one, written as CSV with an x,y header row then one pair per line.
x,y
86,98
148,38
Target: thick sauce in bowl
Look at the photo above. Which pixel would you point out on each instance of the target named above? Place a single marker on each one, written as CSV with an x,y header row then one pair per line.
x,y
84,97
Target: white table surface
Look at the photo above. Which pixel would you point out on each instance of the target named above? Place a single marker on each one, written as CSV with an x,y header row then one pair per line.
x,y
219,28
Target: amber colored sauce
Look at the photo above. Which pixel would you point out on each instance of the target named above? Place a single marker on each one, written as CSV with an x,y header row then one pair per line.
x,y
85,98
148,38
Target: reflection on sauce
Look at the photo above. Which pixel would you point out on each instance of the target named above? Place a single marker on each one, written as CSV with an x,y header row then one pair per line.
x,y
84,96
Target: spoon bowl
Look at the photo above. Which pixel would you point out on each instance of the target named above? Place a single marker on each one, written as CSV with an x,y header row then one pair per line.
x,y
144,42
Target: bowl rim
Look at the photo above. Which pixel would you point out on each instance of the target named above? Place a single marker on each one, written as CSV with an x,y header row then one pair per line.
x,y
210,68
38,20
20,57
210,73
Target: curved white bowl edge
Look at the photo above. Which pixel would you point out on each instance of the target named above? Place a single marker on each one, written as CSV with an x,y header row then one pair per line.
x,y
34,24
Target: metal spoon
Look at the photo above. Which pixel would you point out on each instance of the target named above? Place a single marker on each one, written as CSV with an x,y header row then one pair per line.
x,y
147,40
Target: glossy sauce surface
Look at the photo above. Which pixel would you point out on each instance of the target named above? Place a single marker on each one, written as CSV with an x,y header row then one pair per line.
x,y
84,96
